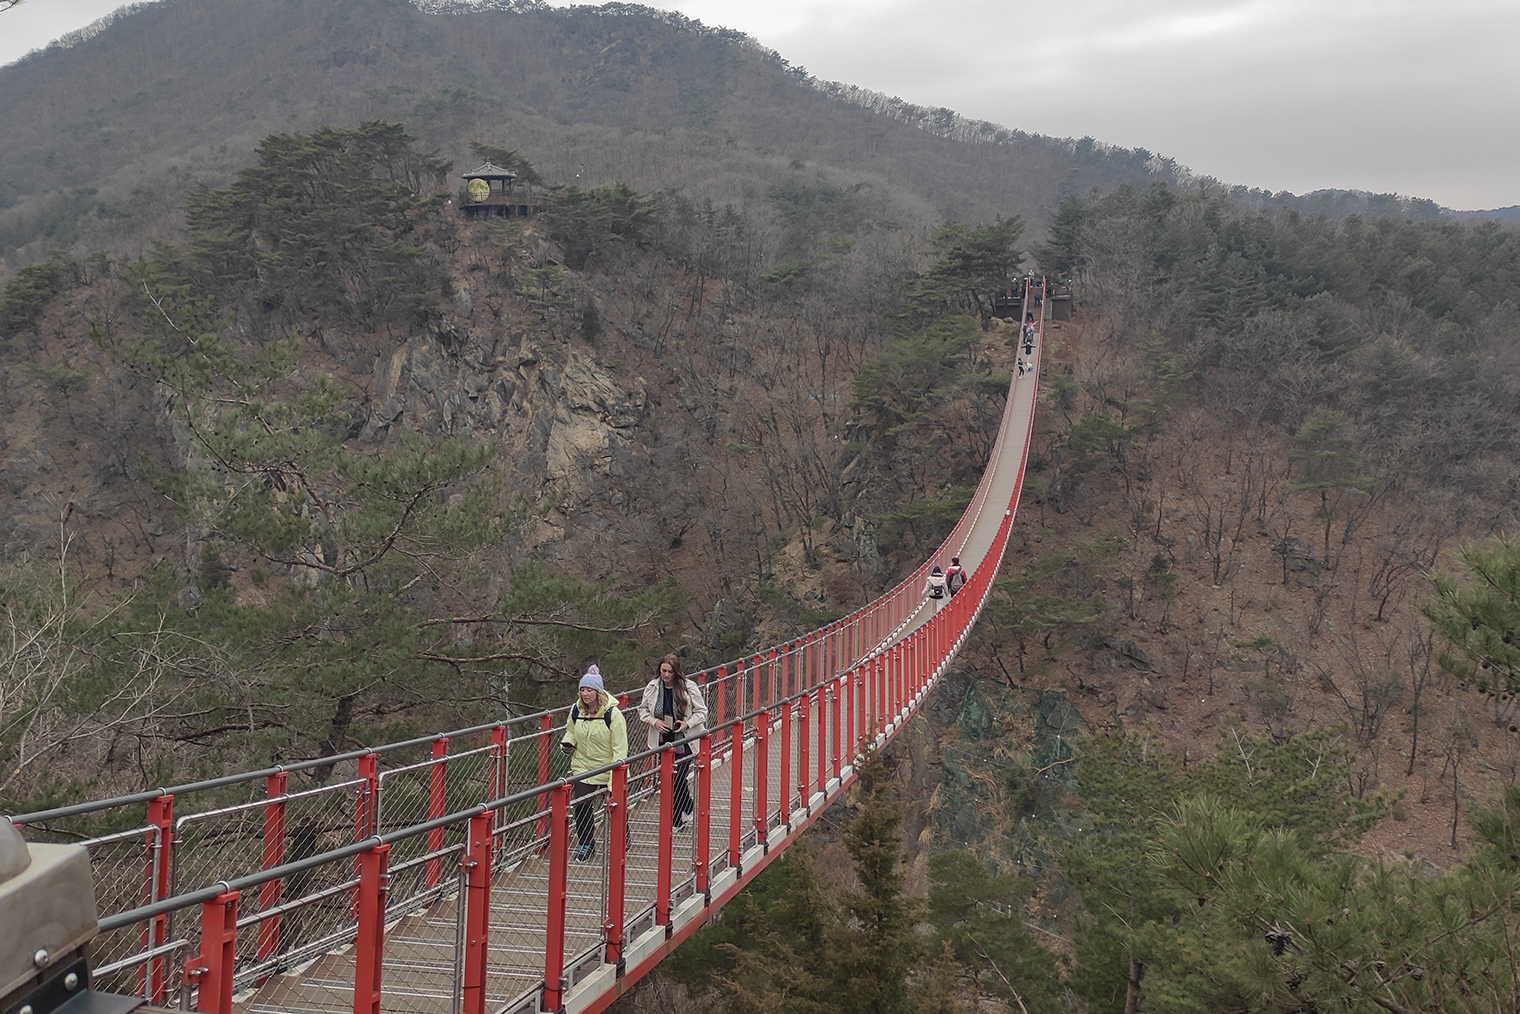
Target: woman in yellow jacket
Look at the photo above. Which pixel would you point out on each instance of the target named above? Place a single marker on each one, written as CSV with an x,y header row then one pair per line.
x,y
595,735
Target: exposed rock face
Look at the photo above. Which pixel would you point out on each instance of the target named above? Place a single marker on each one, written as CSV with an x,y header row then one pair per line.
x,y
444,383
561,416
592,417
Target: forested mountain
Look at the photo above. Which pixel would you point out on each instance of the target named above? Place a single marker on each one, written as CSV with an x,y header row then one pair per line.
x,y
297,456
106,138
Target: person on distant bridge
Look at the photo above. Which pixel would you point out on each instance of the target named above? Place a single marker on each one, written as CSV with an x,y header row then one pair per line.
x,y
673,708
595,736
934,588
955,576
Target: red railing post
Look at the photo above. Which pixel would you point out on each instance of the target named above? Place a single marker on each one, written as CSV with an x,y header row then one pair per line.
x,y
274,854
770,679
936,652
617,860
883,687
368,798
925,660
904,665
545,726
762,777
914,651
862,731
437,793
736,791
932,645
784,789
826,651
559,873
874,726
476,863
366,801
822,698
838,719
369,944
807,667
921,652
212,970
902,659
896,666
847,699
804,770
666,839
374,888
739,696
704,816
160,853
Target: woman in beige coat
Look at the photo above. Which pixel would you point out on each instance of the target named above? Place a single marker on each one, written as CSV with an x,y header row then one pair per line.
x,y
673,708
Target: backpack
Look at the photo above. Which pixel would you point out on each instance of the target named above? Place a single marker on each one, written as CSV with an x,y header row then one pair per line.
x,y
955,578
576,716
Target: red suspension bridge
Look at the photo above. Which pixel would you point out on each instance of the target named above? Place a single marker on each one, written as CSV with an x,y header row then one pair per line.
x,y
432,876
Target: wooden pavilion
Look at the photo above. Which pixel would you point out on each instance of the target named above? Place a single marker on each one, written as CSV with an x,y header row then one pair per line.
x,y
488,190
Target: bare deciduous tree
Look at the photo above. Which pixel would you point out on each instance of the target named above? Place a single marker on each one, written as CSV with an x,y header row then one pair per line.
x,y
68,681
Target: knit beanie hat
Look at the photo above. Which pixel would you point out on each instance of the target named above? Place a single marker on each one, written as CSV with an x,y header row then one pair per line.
x,y
593,678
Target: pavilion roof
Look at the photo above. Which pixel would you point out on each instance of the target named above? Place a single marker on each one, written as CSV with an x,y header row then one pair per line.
x,y
489,171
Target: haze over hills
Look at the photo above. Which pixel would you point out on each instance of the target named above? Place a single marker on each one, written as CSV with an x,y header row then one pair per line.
x,y
107,134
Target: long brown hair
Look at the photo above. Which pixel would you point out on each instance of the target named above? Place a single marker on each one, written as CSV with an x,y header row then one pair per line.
x,y
677,685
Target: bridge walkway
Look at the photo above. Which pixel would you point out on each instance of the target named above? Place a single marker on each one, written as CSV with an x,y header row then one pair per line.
x,y
435,876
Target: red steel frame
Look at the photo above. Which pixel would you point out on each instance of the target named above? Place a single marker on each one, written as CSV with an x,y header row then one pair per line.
x,y
160,852
274,855
868,695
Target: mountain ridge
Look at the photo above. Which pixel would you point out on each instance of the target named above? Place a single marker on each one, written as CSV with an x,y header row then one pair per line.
x,y
1086,161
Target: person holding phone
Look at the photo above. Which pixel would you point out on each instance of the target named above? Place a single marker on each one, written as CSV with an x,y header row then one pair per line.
x,y
673,708
595,736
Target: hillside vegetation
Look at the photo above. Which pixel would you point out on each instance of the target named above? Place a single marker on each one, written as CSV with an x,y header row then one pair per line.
x,y
1218,741
106,139
298,458
415,468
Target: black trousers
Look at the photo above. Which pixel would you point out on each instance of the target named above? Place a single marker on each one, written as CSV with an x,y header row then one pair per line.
x,y
681,803
586,800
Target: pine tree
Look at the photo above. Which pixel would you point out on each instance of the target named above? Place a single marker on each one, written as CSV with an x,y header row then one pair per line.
x,y
809,955
876,948
1477,612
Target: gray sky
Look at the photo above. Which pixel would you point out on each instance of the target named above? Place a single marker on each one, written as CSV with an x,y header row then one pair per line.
x,y
1417,97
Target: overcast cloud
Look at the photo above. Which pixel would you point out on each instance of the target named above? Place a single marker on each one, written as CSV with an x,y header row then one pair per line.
x,y
1406,96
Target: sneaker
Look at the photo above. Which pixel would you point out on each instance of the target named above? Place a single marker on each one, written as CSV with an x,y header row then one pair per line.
x,y
679,822
585,852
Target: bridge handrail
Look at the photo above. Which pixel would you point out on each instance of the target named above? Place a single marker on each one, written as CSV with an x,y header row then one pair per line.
x,y
851,682
904,589
188,899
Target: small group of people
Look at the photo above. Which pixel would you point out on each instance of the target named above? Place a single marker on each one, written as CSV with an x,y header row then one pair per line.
x,y
943,584
1025,363
596,735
